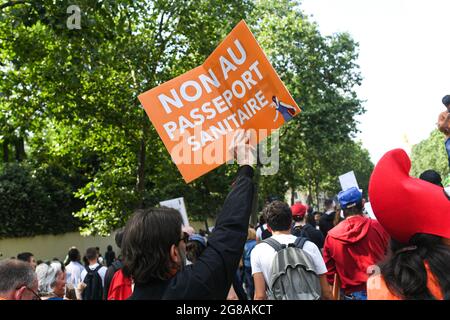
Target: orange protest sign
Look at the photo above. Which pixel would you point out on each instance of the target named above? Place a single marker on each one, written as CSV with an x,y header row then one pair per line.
x,y
197,113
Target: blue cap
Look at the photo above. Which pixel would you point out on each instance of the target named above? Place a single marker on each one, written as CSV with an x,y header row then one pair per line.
x,y
349,198
446,101
199,238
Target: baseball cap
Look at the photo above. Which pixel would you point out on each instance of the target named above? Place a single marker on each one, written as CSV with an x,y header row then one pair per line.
x,y
349,198
446,100
199,238
432,177
299,210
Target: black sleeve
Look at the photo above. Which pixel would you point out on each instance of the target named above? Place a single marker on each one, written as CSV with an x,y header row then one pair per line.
x,y
108,278
212,274
322,226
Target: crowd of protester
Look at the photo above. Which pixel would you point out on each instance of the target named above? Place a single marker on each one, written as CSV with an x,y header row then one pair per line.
x,y
293,252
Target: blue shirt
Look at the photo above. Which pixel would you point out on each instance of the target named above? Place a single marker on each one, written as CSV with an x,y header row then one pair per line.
x,y
447,146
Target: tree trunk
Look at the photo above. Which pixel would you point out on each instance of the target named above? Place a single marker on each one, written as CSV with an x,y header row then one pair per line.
x,y
254,214
309,198
5,151
292,196
11,4
317,193
140,183
20,149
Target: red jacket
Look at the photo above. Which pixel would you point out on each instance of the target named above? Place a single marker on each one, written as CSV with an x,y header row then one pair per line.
x,y
351,247
120,288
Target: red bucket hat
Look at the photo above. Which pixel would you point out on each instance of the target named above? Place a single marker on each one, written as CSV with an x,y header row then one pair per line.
x,y
404,205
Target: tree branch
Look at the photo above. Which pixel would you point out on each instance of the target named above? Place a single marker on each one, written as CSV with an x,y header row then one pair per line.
x,y
11,4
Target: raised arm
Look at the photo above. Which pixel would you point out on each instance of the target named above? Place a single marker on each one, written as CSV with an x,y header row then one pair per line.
x,y
212,274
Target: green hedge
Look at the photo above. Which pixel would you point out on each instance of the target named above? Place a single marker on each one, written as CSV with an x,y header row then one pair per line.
x,y
34,202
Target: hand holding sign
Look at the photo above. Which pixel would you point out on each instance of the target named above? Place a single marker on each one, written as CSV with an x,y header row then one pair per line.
x,y
242,148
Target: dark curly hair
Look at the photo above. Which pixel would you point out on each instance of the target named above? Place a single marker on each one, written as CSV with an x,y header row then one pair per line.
x,y
278,215
404,270
146,243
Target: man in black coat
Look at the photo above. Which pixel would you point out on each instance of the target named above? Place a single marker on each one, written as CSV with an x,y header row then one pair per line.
x,y
154,249
326,222
304,225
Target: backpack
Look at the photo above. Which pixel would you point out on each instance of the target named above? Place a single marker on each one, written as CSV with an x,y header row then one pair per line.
x,y
300,231
248,248
293,276
265,233
94,286
117,265
305,231
120,288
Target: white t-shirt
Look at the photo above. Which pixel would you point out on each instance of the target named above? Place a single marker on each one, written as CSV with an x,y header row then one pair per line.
x,y
263,254
101,272
73,273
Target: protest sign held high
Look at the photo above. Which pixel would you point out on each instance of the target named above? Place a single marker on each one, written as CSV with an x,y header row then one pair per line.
x,y
198,113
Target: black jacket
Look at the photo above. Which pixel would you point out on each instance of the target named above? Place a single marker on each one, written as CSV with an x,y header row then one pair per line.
x,y
112,269
310,232
212,274
326,223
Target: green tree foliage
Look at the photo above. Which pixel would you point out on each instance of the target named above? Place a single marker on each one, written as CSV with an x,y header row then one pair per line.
x,y
69,97
72,94
36,201
321,74
430,154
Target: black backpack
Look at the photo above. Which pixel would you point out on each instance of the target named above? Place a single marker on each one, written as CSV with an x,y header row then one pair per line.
x,y
265,233
94,286
301,231
309,232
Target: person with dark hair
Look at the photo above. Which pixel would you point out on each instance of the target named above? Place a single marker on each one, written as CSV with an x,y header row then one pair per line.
x,y
353,246
303,227
74,268
110,256
85,261
93,276
417,270
27,257
262,232
432,177
317,215
279,220
326,222
418,264
18,281
154,248
117,281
